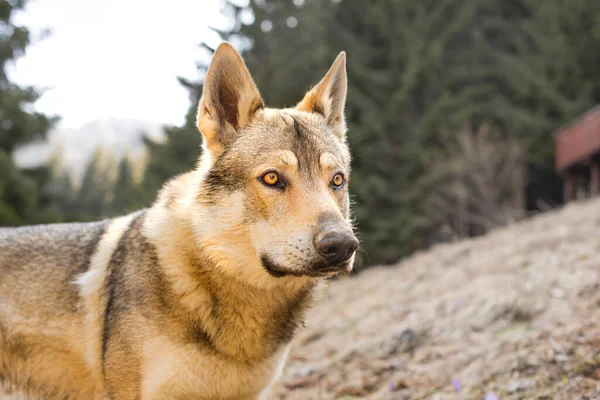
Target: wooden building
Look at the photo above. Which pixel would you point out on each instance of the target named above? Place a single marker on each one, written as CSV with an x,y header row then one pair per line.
x,y
578,156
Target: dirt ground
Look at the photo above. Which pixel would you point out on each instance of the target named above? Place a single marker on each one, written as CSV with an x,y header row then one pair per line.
x,y
511,315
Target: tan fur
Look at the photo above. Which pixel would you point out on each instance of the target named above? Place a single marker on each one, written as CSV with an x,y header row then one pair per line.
x,y
199,296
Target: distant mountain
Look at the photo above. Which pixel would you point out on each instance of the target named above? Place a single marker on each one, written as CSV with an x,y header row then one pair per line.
x,y
116,136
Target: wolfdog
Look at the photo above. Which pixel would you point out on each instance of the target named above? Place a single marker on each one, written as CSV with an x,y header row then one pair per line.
x,y
198,296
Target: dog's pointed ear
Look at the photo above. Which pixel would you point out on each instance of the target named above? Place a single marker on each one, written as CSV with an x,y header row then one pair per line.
x,y
229,100
328,97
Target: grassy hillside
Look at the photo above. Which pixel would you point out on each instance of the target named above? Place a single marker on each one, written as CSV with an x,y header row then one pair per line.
x,y
513,314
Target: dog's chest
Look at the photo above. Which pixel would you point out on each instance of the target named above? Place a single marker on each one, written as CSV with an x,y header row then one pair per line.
x,y
186,371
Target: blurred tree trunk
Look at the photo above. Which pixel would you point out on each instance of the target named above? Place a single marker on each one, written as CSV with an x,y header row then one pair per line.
x,y
477,182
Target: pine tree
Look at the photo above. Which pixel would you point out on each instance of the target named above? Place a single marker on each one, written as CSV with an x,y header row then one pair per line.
x,y
18,192
127,196
174,155
95,193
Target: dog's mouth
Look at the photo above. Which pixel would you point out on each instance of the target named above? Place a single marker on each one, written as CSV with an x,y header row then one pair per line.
x,y
313,270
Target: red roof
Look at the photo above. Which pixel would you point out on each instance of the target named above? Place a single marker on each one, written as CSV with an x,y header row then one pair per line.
x,y
579,140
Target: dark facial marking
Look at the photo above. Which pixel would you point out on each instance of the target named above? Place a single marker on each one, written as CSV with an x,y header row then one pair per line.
x,y
226,174
297,128
296,124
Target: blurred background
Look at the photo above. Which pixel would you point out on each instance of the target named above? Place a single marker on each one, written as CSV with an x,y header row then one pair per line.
x,y
453,107
472,118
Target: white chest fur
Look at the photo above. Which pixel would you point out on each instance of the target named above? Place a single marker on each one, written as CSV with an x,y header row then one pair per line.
x,y
177,371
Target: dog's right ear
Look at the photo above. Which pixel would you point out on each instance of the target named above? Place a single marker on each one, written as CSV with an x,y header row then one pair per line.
x,y
229,100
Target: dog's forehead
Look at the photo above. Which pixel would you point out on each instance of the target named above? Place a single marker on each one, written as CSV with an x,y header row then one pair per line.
x,y
306,135
300,124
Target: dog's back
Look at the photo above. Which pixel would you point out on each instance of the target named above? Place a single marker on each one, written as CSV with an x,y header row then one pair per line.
x,y
40,310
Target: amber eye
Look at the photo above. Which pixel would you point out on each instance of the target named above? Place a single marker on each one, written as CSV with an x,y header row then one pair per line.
x,y
338,181
272,179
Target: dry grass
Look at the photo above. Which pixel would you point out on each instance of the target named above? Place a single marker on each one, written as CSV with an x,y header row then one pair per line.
x,y
514,313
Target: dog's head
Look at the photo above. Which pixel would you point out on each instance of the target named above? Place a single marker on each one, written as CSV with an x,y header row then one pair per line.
x,y
273,196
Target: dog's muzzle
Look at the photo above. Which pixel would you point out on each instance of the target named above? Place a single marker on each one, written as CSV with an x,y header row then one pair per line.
x,y
336,246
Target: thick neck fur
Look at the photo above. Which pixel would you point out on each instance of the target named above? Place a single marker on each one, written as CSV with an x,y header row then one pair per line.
x,y
241,316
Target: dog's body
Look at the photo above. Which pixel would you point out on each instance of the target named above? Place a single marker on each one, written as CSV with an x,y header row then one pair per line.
x,y
197,297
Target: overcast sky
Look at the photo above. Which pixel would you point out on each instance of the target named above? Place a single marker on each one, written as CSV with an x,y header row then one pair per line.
x,y
115,58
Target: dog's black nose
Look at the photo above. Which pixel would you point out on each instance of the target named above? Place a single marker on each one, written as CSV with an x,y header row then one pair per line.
x,y
337,246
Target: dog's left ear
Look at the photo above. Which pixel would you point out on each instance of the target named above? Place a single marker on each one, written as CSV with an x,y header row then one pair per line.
x,y
229,100
328,97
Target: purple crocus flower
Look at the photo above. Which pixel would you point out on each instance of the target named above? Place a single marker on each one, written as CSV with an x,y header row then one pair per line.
x,y
491,396
392,386
456,385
